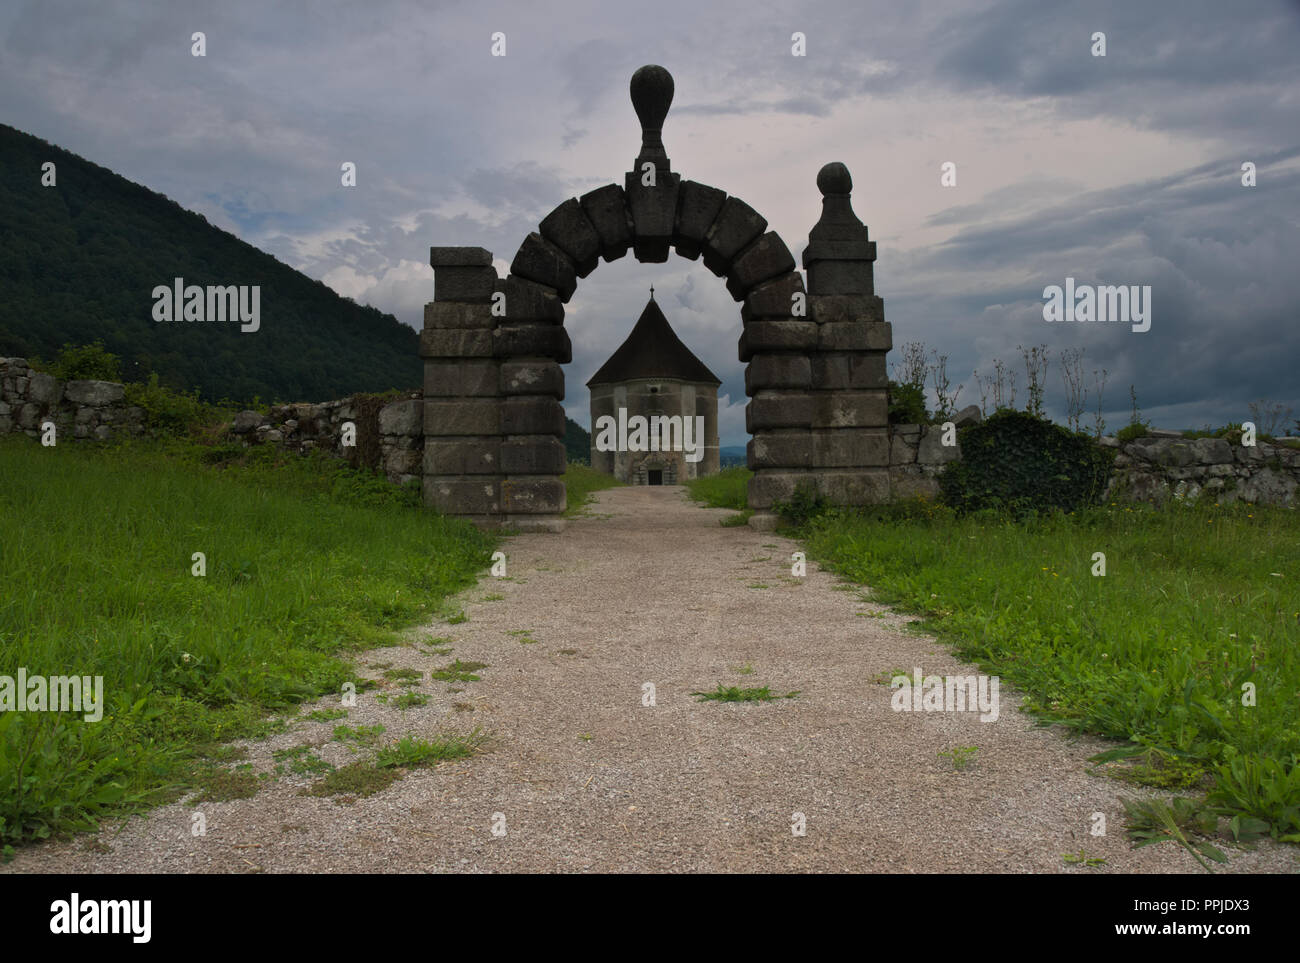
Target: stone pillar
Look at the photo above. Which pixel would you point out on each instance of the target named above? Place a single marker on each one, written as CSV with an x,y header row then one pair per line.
x,y
777,343
531,345
850,407
462,394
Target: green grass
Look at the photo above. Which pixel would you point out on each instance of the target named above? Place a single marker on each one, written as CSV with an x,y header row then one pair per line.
x,y
737,694
412,753
1196,602
580,483
306,561
727,489
458,671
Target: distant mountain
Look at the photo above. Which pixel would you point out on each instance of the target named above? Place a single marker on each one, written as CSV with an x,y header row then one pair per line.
x,y
731,456
577,442
81,259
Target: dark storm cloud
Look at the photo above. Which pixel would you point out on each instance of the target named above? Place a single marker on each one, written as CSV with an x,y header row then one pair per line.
x,y
453,146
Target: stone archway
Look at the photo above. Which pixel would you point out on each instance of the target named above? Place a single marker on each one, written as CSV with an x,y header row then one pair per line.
x,y
815,357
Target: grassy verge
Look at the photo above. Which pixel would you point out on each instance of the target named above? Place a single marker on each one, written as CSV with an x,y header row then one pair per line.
x,y
1198,612
727,489
580,483
304,559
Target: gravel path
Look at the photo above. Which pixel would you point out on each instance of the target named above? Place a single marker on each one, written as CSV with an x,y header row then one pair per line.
x,y
652,589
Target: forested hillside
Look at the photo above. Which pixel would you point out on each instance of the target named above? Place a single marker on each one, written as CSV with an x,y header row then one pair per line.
x,y
81,259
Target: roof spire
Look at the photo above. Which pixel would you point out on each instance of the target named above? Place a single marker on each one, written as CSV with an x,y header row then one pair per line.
x,y
652,292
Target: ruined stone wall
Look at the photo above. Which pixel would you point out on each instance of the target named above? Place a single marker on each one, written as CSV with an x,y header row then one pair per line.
x,y
1164,465
1157,468
97,410
79,409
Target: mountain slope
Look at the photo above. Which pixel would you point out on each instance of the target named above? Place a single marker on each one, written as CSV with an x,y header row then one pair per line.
x,y
81,260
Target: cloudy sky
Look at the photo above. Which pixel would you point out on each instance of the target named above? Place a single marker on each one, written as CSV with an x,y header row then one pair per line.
x,y
1122,169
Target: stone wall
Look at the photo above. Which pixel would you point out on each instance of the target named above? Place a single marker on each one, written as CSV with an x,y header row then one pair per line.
x,y
1164,465
388,436
1156,468
79,409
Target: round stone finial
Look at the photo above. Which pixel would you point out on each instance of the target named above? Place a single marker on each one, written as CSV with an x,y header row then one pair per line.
x,y
652,95
834,179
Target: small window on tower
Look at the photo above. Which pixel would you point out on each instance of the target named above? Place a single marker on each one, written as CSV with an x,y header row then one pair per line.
x,y
654,389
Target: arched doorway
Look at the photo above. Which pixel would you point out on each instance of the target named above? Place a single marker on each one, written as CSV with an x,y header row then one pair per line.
x,y
815,356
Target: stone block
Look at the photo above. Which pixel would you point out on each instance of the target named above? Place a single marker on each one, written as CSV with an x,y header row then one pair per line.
x,y
900,452
455,343
527,302
541,261
971,415
463,496
840,372
401,418
533,341
840,277
778,409
698,206
532,416
860,487
472,284
534,456
855,336
736,226
469,416
606,209
845,409
440,257
850,448
653,211
1208,451
533,496
568,228
777,371
479,456
532,378
460,378
840,308
767,488
912,483
96,394
932,450
457,315
44,389
779,449
775,299
787,335
245,421
763,260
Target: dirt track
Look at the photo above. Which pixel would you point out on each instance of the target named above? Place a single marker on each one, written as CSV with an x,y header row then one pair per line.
x,y
652,589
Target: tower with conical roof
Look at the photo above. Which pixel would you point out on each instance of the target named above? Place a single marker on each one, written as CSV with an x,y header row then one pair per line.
x,y
653,380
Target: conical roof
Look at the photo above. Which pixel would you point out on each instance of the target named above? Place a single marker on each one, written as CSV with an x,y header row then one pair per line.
x,y
652,350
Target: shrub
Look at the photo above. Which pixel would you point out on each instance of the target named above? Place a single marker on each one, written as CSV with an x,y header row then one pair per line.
x,y
907,404
804,505
168,411
87,362
1131,433
1017,462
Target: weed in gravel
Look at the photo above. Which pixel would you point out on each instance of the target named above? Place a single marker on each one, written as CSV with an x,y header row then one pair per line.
x,y
357,779
327,715
221,785
736,694
458,671
963,757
